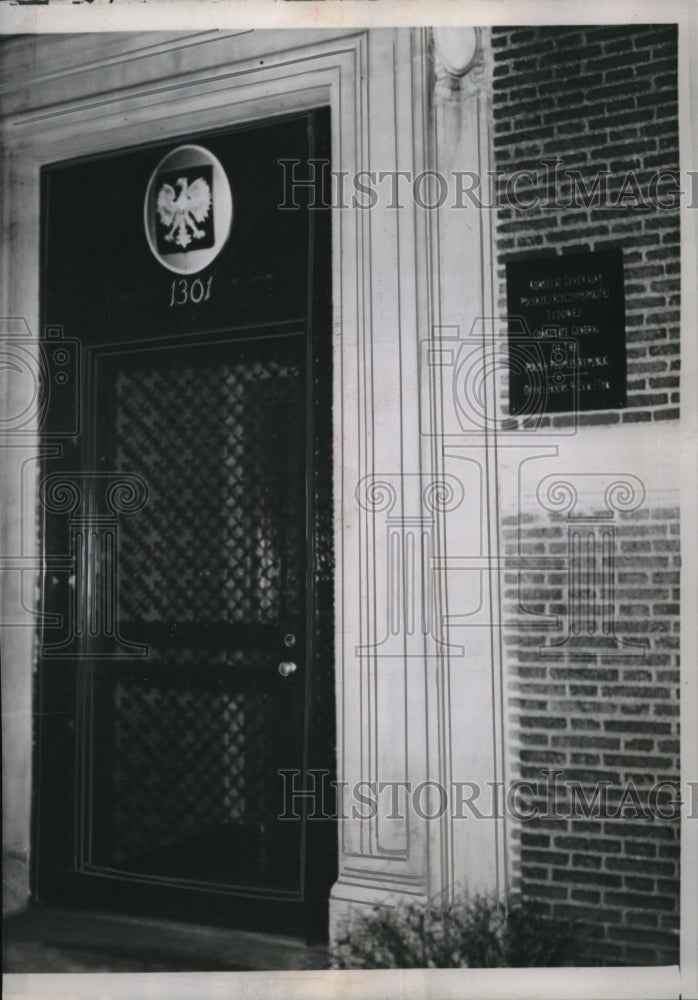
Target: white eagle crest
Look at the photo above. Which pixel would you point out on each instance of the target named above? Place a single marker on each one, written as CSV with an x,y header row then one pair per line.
x,y
182,211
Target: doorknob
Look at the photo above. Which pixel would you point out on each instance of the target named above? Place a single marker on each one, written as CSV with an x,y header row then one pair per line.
x,y
287,667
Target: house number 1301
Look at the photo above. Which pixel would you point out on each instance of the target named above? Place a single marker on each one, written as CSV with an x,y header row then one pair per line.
x,y
183,291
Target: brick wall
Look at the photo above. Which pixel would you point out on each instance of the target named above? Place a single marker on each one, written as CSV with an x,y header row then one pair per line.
x,y
597,101
597,717
597,98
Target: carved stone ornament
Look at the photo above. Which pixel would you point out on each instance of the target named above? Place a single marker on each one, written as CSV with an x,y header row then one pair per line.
x,y
459,61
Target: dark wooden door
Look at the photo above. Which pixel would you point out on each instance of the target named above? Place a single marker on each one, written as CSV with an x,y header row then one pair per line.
x,y
191,662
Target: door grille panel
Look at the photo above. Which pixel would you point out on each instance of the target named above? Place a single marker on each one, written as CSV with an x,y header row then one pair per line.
x,y
186,753
192,762
221,449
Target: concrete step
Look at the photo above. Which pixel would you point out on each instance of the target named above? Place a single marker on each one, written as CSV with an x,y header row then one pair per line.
x,y
52,939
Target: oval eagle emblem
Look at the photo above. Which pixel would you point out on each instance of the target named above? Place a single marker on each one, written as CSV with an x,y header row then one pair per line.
x,y
188,209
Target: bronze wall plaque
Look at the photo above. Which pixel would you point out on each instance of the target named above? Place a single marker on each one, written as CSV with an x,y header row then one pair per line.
x,y
566,328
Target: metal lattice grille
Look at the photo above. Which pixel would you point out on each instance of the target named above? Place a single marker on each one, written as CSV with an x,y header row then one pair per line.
x,y
212,572
219,448
210,760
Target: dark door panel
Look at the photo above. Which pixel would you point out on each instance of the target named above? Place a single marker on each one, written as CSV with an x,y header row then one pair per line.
x,y
167,704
